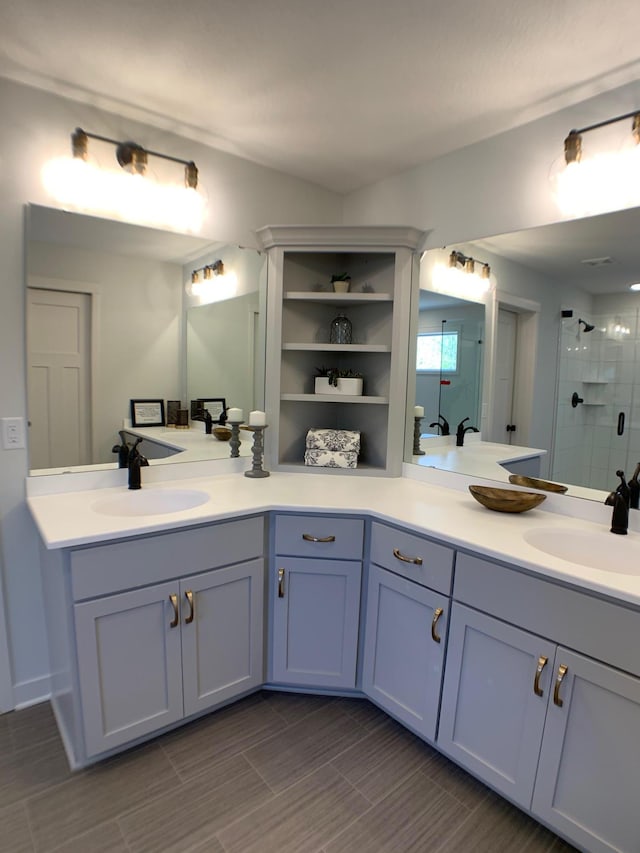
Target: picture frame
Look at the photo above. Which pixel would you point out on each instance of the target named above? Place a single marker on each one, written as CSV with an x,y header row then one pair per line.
x,y
216,406
147,413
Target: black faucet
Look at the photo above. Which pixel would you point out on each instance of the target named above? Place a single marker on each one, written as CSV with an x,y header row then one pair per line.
x,y
136,462
619,500
442,424
461,431
122,450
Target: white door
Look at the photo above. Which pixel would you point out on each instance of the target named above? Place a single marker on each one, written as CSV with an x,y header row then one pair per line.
x,y
504,377
58,352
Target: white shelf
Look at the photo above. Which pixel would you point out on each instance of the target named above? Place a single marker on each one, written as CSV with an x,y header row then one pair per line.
x,y
315,347
587,403
321,297
335,398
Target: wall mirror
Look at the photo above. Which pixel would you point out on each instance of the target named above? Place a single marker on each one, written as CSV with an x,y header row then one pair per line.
x,y
110,319
585,384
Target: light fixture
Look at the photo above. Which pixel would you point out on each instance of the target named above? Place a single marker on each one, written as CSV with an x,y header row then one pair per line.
x,y
215,285
459,277
127,193
635,286
608,180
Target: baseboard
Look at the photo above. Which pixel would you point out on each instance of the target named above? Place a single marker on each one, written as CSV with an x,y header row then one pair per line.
x,y
32,692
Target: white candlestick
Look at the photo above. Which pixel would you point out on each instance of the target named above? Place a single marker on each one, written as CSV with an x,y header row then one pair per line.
x,y
257,418
235,415
418,411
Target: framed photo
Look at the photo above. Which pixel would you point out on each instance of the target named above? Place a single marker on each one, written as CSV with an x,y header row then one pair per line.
x,y
147,413
216,406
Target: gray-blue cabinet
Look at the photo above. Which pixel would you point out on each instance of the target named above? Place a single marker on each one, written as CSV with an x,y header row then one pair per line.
x,y
315,588
404,649
494,700
589,771
148,657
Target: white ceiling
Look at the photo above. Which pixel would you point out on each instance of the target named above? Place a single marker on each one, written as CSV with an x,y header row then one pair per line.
x,y
339,92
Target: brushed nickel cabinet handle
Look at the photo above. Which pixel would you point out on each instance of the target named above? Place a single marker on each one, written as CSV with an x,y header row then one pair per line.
x,y
280,583
417,561
174,603
542,662
189,596
562,671
437,613
309,538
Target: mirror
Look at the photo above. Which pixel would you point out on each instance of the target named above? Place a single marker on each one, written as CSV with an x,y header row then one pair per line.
x,y
449,362
583,268
109,320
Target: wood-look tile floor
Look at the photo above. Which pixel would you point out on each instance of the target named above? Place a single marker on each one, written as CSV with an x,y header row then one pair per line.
x,y
274,773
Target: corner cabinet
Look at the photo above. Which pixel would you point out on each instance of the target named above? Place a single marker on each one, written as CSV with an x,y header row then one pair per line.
x,y
301,307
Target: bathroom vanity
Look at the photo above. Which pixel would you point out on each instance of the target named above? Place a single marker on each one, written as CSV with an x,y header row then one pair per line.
x,y
519,665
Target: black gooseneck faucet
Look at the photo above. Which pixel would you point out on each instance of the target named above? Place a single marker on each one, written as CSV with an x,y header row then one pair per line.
x,y
461,430
136,462
442,424
619,500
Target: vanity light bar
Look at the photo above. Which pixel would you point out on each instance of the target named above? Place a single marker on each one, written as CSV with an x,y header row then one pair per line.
x,y
468,264
573,142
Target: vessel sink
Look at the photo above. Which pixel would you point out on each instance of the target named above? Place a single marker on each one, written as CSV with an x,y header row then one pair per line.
x,y
597,549
150,502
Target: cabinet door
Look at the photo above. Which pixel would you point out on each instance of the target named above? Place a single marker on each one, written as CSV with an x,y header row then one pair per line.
x,y
589,772
316,616
222,639
404,649
492,718
129,665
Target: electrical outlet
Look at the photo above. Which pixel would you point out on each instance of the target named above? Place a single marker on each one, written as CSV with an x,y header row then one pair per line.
x,y
13,433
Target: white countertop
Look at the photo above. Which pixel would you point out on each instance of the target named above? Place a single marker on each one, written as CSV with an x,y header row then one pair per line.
x,y
448,514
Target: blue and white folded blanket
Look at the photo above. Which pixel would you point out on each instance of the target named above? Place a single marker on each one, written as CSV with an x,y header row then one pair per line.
x,y
331,458
334,439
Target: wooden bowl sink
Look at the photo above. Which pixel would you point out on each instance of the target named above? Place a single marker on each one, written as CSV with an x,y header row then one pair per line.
x,y
506,500
535,483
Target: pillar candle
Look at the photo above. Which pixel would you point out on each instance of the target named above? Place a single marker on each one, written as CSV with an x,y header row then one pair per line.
x,y
418,411
235,415
257,418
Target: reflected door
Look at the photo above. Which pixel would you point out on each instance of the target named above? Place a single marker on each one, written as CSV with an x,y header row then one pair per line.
x,y
58,353
504,377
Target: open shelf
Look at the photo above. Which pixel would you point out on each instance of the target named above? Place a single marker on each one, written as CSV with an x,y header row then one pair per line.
x,y
335,398
320,347
337,299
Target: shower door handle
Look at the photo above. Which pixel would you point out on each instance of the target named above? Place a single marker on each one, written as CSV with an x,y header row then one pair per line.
x,y
621,423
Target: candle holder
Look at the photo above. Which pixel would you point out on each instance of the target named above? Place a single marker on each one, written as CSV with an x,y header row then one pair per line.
x,y
234,441
257,450
417,430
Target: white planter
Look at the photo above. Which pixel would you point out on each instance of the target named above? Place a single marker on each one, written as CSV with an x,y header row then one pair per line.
x,y
352,387
341,286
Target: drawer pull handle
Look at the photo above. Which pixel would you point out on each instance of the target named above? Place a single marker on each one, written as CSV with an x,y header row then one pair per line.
x,y
174,603
542,662
417,561
437,613
309,538
189,596
562,671
280,583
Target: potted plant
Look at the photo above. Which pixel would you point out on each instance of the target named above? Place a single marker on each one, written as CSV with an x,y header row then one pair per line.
x,y
335,380
341,282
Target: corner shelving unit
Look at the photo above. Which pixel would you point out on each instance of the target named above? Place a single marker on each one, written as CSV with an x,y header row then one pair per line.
x,y
300,308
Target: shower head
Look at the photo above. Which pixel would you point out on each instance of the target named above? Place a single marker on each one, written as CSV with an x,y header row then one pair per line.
x,y
587,326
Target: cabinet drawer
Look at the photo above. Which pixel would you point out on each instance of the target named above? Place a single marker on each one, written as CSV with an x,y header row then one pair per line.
x,y
596,627
396,550
319,536
151,559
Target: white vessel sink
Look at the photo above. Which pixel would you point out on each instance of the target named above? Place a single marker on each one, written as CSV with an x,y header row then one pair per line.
x,y
597,549
150,502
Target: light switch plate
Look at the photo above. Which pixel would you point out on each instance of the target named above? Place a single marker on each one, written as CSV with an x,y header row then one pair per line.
x,y
13,433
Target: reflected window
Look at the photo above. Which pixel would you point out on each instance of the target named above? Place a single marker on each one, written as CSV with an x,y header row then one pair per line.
x,y
437,352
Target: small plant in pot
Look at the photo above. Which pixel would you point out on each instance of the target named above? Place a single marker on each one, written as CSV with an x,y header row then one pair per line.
x,y
335,380
341,282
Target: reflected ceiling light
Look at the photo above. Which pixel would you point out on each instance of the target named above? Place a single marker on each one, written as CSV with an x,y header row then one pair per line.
x,y
459,277
635,286
128,193
609,180
215,285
